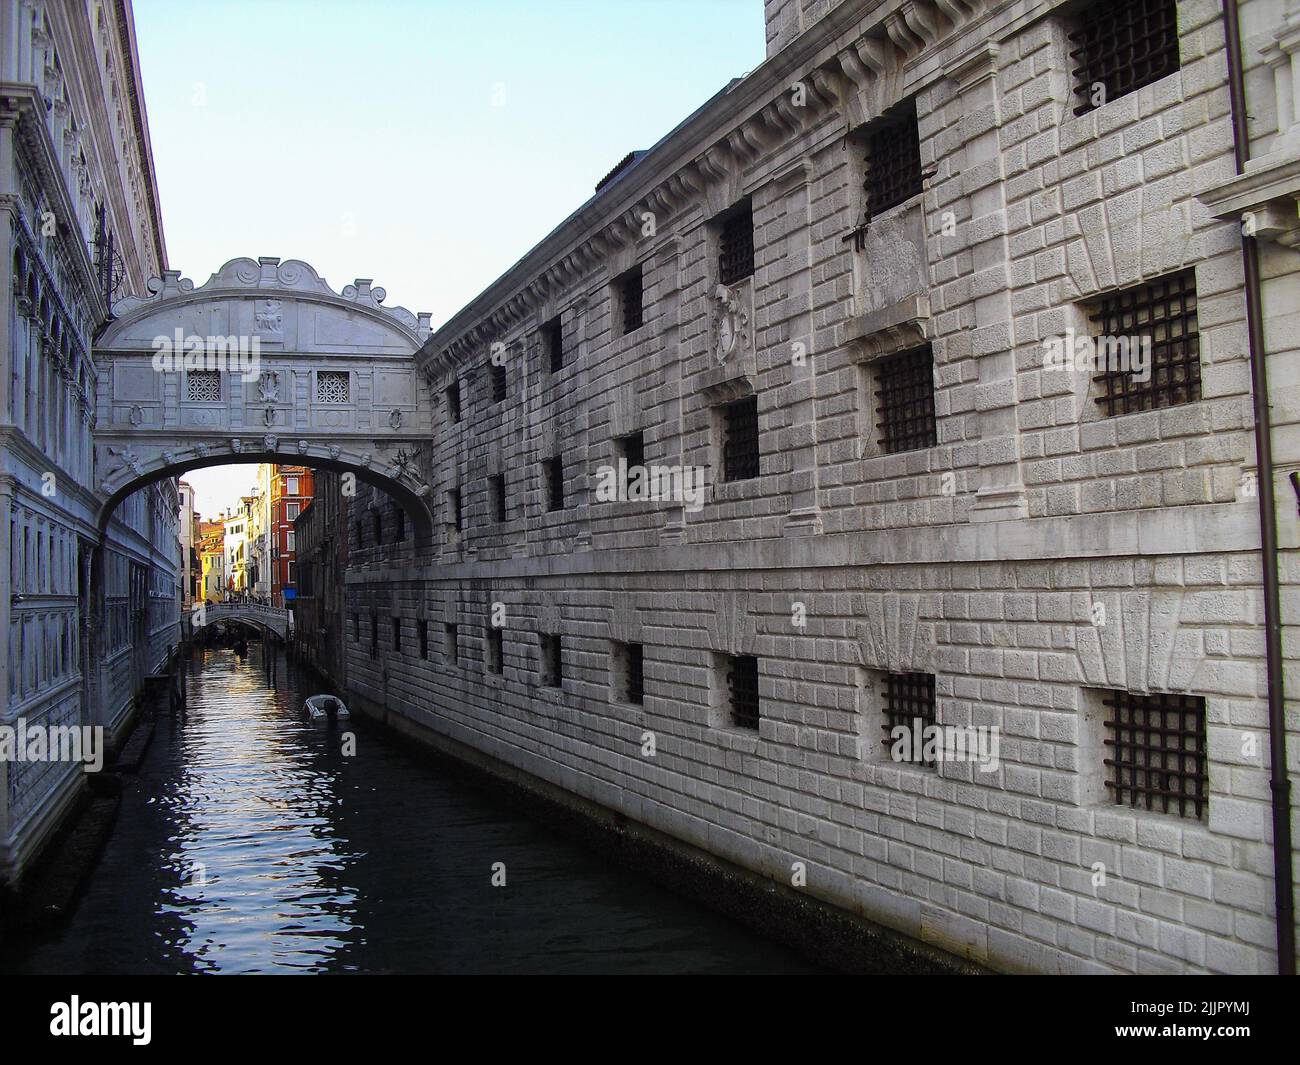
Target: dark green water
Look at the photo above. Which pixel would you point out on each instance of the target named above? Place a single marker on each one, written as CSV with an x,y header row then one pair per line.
x,y
249,842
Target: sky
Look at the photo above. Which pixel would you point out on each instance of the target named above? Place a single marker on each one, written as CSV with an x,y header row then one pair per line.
x,y
424,144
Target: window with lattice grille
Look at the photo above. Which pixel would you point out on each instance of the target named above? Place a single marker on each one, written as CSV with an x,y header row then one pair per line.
x,y
630,290
736,244
739,426
904,397
908,702
742,691
1157,319
1157,752
893,160
1117,46
553,473
203,386
332,386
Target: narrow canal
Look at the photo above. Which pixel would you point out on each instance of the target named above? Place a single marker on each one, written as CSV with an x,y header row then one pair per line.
x,y
251,841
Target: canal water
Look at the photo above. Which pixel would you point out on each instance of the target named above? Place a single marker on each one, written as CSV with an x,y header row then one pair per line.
x,y
252,842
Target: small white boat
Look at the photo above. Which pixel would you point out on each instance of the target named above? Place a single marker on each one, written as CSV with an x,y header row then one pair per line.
x,y
323,707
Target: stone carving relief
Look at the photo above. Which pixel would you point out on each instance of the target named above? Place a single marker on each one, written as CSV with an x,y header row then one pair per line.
x,y
268,318
268,387
731,323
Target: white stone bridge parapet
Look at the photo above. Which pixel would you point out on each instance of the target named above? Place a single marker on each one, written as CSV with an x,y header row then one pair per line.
x,y
263,363
268,618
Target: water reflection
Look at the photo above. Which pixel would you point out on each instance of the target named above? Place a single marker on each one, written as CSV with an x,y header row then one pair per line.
x,y
249,843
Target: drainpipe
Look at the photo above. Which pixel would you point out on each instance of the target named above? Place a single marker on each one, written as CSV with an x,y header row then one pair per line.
x,y
1279,781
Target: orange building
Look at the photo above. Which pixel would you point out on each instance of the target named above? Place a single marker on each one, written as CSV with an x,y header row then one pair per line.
x,y
292,488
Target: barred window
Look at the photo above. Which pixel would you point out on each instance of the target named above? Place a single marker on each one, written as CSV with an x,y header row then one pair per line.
x,y
742,690
736,244
905,401
497,376
909,703
203,386
1152,327
332,386
1121,45
740,439
451,644
631,299
893,160
497,492
553,471
553,340
629,663
552,675
495,660
1158,752
452,395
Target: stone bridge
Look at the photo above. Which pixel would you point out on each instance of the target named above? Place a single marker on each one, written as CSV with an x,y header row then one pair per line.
x,y
263,363
267,618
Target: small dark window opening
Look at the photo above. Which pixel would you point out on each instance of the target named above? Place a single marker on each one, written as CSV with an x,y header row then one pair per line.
x,y
893,160
554,472
742,690
454,505
631,298
1121,45
909,704
374,635
552,662
736,244
497,374
553,339
740,439
399,523
356,628
452,394
451,644
497,493
377,526
1158,318
397,635
905,401
1158,752
422,631
495,658
631,449
630,658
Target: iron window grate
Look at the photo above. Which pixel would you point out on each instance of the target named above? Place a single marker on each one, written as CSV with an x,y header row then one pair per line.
x,y
740,439
905,401
497,375
631,293
554,471
909,699
736,245
893,161
742,690
633,662
1158,751
1121,45
1161,317
553,337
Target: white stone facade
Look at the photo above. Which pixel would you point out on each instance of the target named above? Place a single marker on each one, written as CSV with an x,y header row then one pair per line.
x,y
1038,554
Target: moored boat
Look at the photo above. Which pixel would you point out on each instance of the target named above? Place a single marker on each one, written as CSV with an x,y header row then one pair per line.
x,y
323,707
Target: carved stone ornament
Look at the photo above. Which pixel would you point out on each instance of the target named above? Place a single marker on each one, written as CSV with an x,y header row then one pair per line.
x,y
270,442
268,318
395,419
237,446
137,414
335,451
303,447
268,387
732,323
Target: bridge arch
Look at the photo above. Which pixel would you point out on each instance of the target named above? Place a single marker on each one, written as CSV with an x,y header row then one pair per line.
x,y
264,362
